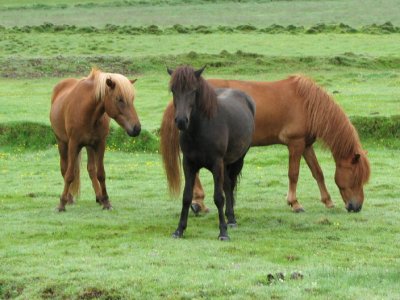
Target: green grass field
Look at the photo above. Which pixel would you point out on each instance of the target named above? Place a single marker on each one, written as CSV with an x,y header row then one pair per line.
x,y
128,253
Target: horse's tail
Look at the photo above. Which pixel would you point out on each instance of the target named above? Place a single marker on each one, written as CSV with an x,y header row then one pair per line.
x,y
75,187
169,147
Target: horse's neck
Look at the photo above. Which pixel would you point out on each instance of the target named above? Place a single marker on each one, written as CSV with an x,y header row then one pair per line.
x,y
97,112
342,141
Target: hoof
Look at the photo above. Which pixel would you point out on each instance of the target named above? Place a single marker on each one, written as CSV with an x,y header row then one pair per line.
x,y
329,204
224,238
107,207
60,209
195,208
177,234
298,209
232,225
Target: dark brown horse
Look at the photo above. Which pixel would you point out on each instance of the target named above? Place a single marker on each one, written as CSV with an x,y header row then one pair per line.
x,y
295,112
215,133
80,115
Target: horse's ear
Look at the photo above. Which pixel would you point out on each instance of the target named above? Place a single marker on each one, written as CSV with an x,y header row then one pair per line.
x,y
110,83
170,71
198,72
133,80
356,158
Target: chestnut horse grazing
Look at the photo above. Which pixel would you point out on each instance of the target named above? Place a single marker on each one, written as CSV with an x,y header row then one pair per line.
x,y
216,127
295,112
80,115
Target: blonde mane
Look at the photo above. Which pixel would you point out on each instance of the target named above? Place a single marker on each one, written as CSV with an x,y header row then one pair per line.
x,y
327,121
123,86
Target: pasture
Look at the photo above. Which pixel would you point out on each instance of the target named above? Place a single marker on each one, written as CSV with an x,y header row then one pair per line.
x,y
128,253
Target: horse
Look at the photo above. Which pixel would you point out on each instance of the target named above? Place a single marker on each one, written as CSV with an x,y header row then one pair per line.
x,y
215,130
296,112
80,116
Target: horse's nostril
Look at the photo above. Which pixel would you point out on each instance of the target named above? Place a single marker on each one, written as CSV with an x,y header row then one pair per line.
x,y
353,208
136,130
350,207
181,123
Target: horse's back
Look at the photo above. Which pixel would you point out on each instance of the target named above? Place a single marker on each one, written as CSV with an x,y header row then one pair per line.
x,y
237,109
279,110
66,107
63,87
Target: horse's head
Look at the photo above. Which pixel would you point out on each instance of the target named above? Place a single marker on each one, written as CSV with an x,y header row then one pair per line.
x,y
184,85
351,175
119,103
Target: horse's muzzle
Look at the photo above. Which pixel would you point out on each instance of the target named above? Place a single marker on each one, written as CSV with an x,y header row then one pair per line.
x,y
135,131
353,207
182,123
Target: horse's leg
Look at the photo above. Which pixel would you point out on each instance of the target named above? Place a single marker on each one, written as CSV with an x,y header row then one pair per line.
x,y
190,175
69,174
230,181
92,170
63,151
312,162
101,174
218,175
228,190
198,197
296,148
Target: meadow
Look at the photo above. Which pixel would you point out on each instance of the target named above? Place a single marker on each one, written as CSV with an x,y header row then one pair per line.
x,y
128,253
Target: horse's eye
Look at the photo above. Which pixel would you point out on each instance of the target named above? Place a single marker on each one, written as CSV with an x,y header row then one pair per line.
x,y
121,100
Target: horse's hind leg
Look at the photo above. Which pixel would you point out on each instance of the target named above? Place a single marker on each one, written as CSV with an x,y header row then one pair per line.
x,y
230,181
92,170
296,149
218,175
63,150
190,174
101,174
312,162
68,158
198,197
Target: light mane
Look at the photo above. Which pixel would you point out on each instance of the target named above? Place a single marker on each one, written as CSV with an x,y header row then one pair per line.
x,y
327,121
123,87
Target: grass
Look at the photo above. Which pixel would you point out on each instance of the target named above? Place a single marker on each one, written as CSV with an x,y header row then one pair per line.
x,y
258,13
360,92
128,252
43,45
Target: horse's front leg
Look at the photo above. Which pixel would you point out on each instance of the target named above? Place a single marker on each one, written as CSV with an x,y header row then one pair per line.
x,y
218,175
190,175
101,175
312,162
296,149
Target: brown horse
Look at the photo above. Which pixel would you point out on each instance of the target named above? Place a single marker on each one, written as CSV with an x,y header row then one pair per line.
x,y
295,112
80,115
